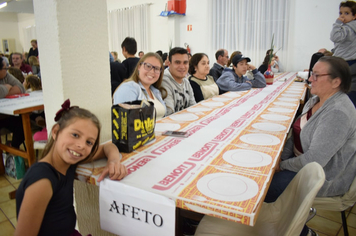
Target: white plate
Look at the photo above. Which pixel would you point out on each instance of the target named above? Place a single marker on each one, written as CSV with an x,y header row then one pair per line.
x,y
294,91
184,117
227,187
198,109
275,117
161,127
221,99
247,158
232,95
288,99
260,139
284,104
212,104
289,95
280,109
269,126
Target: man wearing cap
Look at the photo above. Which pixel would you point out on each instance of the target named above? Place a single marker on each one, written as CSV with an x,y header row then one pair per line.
x,y
234,79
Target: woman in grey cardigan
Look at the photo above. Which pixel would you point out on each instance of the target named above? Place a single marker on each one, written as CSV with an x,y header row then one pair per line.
x,y
325,132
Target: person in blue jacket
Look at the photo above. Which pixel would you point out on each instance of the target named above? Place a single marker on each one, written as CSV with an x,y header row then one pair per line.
x,y
234,79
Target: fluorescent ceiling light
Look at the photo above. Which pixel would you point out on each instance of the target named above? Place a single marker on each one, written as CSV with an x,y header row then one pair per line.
x,y
2,5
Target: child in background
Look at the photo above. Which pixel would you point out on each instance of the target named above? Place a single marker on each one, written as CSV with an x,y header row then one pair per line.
x,y
32,83
343,33
17,73
35,64
44,199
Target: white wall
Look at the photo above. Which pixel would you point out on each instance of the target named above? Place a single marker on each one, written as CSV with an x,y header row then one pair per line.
x,y
25,20
309,29
310,26
9,28
158,30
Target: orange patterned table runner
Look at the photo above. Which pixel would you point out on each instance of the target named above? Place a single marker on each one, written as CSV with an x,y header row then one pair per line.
x,y
224,166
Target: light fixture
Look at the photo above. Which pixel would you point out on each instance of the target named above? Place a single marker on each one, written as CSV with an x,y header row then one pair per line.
x,y
2,5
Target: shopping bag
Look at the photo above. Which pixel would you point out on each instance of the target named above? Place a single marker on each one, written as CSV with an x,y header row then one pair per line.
x,y
14,166
133,124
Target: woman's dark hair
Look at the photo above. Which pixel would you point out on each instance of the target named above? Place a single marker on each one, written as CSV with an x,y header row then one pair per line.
x,y
1,64
266,60
67,118
194,61
232,56
349,4
164,57
17,73
338,68
314,59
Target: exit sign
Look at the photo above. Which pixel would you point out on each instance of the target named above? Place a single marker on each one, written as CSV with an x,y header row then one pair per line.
x,y
189,27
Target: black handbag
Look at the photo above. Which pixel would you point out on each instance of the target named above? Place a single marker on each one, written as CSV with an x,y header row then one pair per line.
x,y
133,124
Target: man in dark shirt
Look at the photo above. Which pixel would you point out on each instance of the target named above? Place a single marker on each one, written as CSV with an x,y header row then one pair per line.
x,y
129,49
222,57
17,62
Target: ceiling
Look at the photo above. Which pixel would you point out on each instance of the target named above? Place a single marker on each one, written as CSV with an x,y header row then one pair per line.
x,y
18,6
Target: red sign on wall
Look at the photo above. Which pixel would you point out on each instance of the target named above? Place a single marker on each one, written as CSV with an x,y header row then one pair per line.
x,y
189,27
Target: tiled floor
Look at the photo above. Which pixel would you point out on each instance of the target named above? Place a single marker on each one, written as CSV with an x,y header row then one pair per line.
x,y
325,223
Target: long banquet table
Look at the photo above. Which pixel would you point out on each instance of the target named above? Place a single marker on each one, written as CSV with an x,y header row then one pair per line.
x,y
23,106
224,167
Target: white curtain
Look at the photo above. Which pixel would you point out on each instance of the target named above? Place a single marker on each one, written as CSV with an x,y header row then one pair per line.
x,y
129,22
29,33
248,26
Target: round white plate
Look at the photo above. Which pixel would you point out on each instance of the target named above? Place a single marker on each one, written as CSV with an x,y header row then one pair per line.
x,y
269,127
275,117
212,104
288,99
221,99
161,127
247,158
198,109
227,187
294,91
289,95
260,139
280,109
184,117
232,95
284,104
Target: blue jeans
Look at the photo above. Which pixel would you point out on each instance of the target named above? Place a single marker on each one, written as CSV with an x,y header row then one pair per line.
x,y
279,183
352,96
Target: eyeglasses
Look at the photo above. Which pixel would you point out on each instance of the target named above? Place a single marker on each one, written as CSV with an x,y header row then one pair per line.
x,y
316,76
149,67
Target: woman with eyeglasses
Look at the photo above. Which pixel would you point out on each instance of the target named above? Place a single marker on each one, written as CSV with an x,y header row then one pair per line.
x,y
144,83
204,86
325,132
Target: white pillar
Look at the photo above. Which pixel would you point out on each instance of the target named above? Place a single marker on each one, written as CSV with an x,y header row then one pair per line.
x,y
74,56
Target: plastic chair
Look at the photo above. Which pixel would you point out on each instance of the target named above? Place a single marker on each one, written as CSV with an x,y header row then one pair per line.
x,y
339,203
286,216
